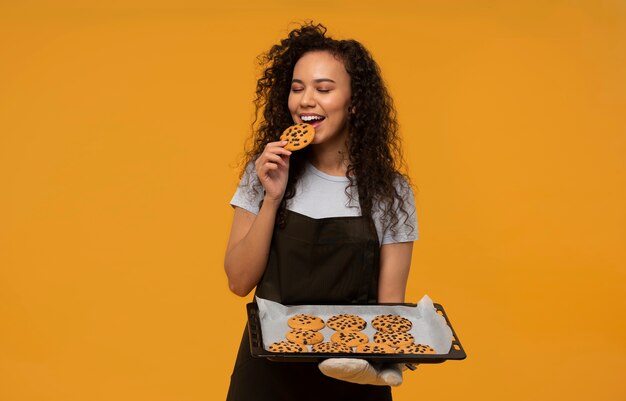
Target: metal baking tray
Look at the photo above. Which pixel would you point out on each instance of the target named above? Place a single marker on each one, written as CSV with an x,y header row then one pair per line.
x,y
256,346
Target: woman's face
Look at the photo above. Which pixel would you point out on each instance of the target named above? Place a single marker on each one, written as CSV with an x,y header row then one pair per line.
x,y
320,96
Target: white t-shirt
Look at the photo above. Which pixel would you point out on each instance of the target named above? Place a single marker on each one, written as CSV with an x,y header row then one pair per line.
x,y
319,195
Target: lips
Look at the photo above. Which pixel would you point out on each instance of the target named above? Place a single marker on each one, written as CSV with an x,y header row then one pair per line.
x,y
313,119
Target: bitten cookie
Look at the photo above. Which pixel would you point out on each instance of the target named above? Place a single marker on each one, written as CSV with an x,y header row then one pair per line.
x,y
416,349
346,322
349,338
391,323
286,346
298,136
396,340
306,322
372,348
330,348
304,337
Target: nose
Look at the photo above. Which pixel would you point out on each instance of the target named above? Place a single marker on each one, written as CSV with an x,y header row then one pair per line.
x,y
308,98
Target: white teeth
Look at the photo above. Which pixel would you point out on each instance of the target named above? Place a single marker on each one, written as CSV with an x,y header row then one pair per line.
x,y
311,118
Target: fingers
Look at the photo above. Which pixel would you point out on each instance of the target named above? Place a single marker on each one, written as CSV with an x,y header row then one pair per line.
x,y
272,168
277,148
274,153
278,159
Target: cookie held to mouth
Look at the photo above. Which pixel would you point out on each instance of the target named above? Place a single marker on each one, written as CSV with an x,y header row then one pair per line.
x,y
299,136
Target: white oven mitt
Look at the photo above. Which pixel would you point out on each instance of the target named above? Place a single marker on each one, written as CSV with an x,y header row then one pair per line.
x,y
361,371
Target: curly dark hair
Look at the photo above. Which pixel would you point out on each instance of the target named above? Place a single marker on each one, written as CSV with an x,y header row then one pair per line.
x,y
375,156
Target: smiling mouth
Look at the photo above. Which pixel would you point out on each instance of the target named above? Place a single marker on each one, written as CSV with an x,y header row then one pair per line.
x,y
311,119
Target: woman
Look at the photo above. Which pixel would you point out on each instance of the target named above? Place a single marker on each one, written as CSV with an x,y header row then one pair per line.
x,y
332,223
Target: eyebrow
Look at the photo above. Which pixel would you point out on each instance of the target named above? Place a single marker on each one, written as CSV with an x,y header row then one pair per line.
x,y
315,80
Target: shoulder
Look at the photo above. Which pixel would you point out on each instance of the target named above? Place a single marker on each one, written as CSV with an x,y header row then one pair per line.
x,y
397,218
402,185
403,194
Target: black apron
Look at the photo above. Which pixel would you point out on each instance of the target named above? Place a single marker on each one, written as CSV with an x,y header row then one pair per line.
x,y
312,261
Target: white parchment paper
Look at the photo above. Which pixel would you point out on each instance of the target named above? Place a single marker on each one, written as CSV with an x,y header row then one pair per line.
x,y
428,326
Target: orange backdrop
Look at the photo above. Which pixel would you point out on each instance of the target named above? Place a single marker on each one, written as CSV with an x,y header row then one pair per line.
x,y
120,129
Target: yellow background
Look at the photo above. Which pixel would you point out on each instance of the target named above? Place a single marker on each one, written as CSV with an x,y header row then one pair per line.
x,y
121,126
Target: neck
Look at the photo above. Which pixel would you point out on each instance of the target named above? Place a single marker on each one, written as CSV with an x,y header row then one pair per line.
x,y
330,160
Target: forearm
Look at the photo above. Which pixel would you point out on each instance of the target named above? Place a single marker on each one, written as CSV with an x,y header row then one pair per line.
x,y
391,296
395,262
246,259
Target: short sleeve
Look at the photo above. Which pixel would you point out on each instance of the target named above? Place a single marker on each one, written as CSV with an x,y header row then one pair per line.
x,y
405,229
249,192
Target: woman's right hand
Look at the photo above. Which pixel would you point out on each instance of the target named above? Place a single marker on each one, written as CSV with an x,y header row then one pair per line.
x,y
272,167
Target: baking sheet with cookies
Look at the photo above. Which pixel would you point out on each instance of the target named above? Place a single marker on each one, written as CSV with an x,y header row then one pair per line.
x,y
268,324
